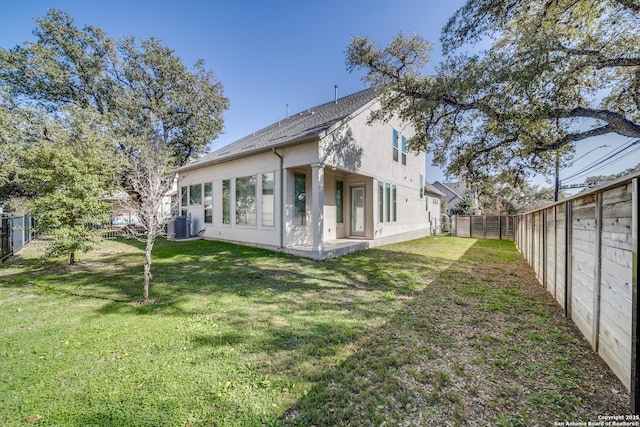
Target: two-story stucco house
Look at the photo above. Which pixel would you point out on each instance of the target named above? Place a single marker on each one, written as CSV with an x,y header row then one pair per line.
x,y
319,183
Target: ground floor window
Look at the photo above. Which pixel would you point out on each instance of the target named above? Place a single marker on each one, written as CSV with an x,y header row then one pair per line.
x,y
195,194
226,201
268,200
393,203
184,200
380,201
208,203
339,197
246,200
300,199
387,202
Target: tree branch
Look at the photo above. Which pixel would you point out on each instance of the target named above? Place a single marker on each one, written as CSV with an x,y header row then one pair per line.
x,y
575,137
629,4
616,122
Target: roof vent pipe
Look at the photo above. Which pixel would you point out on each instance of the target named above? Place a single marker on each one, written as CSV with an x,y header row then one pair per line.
x,y
287,111
335,94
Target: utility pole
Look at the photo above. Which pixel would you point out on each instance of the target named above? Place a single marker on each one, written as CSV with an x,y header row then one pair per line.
x,y
557,186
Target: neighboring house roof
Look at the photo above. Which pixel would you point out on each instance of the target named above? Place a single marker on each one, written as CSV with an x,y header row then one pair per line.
x,y
297,127
457,187
449,189
428,188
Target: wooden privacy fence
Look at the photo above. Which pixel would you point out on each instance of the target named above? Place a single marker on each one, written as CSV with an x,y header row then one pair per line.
x,y
500,227
584,250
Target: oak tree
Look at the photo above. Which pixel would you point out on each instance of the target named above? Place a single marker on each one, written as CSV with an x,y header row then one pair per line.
x,y
146,94
522,82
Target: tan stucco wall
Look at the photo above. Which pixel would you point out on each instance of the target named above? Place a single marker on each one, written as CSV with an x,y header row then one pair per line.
x,y
358,154
367,149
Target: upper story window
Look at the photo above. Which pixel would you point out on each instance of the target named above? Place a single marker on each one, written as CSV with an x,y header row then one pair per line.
x,y
399,147
395,145
404,150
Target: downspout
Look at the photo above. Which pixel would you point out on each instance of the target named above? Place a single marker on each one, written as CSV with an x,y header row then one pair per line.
x,y
281,197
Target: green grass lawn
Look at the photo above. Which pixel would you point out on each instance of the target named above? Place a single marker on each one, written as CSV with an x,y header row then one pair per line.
x,y
436,331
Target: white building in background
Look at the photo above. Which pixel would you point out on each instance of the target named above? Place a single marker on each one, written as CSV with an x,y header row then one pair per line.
x,y
318,183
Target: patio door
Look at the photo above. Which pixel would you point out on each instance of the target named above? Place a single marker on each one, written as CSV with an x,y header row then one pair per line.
x,y
357,211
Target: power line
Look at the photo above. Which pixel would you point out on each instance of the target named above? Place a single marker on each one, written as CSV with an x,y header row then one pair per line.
x,y
585,155
604,165
599,161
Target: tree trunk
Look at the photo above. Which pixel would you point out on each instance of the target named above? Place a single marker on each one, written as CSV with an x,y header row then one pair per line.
x,y
147,267
72,258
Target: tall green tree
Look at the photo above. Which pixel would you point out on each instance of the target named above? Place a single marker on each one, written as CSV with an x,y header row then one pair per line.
x,y
173,113
467,205
68,166
554,73
146,94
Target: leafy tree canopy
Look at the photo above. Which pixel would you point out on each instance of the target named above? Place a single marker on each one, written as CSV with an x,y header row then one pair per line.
x,y
142,86
68,168
466,206
555,73
80,111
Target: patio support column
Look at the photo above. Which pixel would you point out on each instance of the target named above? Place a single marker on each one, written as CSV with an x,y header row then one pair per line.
x,y
317,206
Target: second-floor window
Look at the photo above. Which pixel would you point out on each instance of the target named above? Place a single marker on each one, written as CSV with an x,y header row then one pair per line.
x,y
404,150
395,145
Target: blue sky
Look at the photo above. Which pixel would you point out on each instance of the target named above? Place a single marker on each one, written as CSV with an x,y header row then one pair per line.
x,y
266,54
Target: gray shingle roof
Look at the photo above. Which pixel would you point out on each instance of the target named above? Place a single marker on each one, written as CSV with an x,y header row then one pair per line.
x,y
450,193
297,127
432,190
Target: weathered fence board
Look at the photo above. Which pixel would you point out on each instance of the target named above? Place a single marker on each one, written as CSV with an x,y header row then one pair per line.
x,y
585,253
484,226
539,244
551,255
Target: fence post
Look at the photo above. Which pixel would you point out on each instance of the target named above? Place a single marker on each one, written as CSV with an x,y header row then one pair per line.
x,y
568,235
545,241
635,323
597,273
555,252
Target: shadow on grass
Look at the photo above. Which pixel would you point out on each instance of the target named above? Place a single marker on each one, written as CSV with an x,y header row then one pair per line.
x,y
483,344
383,335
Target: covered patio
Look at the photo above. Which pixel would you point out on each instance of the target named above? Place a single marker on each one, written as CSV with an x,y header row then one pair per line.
x,y
331,248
